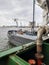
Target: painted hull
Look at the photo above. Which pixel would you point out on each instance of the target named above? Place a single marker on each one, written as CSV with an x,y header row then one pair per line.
x,y
22,57
20,39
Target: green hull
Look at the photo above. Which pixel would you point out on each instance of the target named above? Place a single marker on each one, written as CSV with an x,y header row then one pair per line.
x,y
10,57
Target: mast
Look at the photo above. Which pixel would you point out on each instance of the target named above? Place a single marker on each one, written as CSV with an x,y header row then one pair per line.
x,y
33,16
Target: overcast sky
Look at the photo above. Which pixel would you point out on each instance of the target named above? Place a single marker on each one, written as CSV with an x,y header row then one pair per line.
x,y
20,9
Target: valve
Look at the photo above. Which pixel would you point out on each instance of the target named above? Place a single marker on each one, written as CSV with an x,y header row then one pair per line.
x,y
32,62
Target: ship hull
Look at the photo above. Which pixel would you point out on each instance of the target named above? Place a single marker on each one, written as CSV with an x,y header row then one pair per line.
x,y
20,39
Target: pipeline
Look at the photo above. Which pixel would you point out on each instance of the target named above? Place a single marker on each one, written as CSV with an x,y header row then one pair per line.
x,y
39,55
40,33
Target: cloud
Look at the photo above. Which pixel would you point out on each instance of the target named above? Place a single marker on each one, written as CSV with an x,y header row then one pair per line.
x,y
6,21
21,9
38,15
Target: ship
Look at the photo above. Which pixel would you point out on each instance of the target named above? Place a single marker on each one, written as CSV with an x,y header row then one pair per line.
x,y
25,52
20,37
19,55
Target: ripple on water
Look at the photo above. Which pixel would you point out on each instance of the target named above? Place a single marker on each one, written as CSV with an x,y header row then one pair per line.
x,y
4,44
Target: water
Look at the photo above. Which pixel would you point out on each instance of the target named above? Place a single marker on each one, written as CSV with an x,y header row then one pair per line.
x,y
4,44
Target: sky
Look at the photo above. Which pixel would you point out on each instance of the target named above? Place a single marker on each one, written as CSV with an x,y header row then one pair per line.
x,y
22,10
